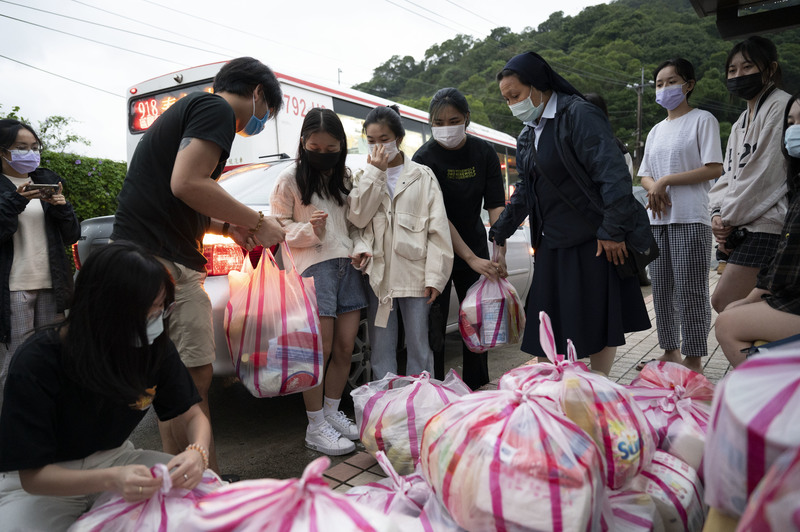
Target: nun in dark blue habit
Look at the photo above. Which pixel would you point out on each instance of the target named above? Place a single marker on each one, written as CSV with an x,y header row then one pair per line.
x,y
575,186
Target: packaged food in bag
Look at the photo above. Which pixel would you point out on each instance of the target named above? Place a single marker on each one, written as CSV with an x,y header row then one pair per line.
x,y
391,413
601,407
408,495
491,314
754,420
167,510
676,490
272,327
677,403
293,505
775,504
504,460
633,511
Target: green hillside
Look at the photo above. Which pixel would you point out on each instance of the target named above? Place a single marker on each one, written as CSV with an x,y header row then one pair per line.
x,y
603,49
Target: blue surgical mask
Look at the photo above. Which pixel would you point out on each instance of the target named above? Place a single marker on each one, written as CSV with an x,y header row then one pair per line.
x,y
792,140
255,125
525,111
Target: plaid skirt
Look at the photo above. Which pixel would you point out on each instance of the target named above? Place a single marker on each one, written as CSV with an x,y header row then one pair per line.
x,y
756,251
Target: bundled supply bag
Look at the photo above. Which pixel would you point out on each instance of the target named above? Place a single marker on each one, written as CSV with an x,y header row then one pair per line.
x,y
293,505
167,510
775,504
633,511
491,315
409,496
677,404
506,460
391,413
601,407
754,420
676,490
272,327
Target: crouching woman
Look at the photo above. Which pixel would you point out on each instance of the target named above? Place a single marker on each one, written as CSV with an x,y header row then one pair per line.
x,y
76,391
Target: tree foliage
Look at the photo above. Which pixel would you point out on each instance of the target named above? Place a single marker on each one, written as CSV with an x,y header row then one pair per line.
x,y
607,49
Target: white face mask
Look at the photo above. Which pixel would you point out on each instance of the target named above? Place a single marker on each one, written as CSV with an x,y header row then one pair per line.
x,y
154,328
525,111
391,149
449,136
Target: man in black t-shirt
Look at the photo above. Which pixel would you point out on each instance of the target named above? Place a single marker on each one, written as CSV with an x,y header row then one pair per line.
x,y
170,197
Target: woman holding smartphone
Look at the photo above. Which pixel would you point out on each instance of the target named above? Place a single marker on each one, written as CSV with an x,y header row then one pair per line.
x,y
35,225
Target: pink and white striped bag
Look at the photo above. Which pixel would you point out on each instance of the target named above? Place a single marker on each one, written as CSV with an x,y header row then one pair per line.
x,y
755,418
391,413
409,495
677,404
272,327
633,511
166,511
601,407
491,315
775,504
500,460
306,504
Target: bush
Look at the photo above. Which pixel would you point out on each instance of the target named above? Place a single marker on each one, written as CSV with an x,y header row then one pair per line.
x,y
92,184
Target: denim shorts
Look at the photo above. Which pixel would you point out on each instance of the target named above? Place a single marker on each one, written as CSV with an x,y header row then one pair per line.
x,y
340,287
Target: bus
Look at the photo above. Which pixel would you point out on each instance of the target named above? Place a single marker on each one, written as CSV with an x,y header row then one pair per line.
x,y
148,99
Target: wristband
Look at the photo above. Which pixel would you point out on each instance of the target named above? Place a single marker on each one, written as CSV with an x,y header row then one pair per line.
x,y
258,225
200,449
225,228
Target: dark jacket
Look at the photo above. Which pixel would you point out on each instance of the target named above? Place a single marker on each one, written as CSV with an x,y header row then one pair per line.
x,y
62,229
589,151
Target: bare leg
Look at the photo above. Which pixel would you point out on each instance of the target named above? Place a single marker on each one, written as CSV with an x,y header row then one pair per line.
x,y
344,336
602,361
313,397
738,327
734,284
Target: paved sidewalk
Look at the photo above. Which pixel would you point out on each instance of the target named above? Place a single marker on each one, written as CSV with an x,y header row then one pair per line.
x,y
362,468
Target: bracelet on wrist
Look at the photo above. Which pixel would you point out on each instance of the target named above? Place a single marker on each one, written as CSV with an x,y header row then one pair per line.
x,y
225,227
258,225
200,449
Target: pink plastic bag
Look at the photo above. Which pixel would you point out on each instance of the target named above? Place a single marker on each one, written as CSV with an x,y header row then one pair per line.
x,y
491,315
391,413
408,495
754,420
677,404
272,326
602,408
295,505
775,504
165,511
499,460
633,511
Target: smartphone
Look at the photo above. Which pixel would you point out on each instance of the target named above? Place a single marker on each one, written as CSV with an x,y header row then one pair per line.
x,y
46,191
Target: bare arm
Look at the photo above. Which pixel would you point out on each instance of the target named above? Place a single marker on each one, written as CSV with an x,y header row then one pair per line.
x,y
698,175
191,462
55,480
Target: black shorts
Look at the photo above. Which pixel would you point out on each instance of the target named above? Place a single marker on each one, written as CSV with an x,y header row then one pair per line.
x,y
756,250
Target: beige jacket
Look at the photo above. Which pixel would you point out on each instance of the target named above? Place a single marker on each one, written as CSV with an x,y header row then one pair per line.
x,y
752,190
409,234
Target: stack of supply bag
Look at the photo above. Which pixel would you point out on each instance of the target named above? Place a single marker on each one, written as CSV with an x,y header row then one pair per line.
x,y
755,418
677,404
775,504
391,413
294,505
166,511
409,496
491,314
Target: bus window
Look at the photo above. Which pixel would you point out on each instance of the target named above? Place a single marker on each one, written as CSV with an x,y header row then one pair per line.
x,y
143,111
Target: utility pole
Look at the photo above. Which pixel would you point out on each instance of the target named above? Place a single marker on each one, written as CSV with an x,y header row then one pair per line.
x,y
639,88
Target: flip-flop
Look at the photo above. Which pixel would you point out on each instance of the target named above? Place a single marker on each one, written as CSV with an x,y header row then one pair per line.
x,y
640,366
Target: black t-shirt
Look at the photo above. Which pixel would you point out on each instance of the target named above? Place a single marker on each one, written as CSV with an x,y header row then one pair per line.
x,y
48,417
470,177
148,213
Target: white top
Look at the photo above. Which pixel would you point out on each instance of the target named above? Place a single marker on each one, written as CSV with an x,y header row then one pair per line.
x,y
392,173
30,267
680,145
548,113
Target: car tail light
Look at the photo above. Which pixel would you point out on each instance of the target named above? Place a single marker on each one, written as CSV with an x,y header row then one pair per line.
x,y
75,257
222,255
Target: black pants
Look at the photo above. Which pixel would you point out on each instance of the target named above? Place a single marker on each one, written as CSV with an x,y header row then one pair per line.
x,y
476,365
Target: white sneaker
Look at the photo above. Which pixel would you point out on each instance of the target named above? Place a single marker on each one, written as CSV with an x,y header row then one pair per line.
x,y
326,439
343,424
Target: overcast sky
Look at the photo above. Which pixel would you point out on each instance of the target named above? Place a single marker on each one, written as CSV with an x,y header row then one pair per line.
x,y
306,38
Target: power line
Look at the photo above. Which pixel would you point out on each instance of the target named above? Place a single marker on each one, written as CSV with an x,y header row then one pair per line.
x,y
496,25
421,15
107,26
63,77
92,40
438,15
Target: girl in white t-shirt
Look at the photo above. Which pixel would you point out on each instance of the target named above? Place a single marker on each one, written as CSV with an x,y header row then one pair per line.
x,y
682,155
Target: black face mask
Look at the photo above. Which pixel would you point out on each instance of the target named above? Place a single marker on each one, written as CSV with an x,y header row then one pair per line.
x,y
322,162
746,87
